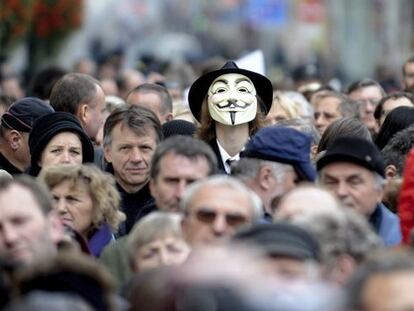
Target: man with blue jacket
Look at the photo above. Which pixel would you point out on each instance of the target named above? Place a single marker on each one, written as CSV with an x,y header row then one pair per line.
x,y
353,169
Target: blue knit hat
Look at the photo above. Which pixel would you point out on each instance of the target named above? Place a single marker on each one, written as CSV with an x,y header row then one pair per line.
x,y
285,145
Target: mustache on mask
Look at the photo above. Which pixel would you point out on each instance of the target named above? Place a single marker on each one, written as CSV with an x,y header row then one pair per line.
x,y
233,104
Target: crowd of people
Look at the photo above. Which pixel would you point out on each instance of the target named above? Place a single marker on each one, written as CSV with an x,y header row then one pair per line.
x,y
121,190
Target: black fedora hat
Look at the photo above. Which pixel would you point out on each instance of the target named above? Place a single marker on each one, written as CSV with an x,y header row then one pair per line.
x,y
200,87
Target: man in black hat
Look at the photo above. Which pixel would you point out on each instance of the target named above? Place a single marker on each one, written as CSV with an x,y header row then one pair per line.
x,y
353,169
16,124
229,103
273,162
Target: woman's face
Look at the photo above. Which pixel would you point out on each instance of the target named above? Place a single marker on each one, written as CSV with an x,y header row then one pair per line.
x,y
74,205
276,114
168,251
63,148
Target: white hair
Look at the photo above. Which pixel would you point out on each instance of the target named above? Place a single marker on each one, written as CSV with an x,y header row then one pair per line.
x,y
222,181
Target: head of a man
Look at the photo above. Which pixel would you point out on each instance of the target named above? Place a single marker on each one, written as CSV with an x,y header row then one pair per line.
x,y
352,168
274,161
131,135
304,200
367,93
408,75
345,236
390,102
153,97
396,150
177,162
28,227
214,208
82,96
330,106
16,124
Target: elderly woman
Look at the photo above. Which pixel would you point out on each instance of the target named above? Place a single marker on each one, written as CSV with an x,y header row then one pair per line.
x,y
87,201
58,138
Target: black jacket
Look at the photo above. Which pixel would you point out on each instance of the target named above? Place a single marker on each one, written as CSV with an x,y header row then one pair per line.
x,y
7,166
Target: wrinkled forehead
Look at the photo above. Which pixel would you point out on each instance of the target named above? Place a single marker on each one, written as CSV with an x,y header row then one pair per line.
x,y
232,78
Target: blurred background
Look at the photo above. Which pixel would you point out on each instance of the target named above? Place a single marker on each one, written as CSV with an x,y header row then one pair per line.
x,y
341,39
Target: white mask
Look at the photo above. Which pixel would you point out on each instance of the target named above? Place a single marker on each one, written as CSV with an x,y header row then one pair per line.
x,y
232,99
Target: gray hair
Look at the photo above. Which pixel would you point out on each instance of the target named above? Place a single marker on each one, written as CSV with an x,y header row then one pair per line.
x,y
248,168
222,181
153,226
340,231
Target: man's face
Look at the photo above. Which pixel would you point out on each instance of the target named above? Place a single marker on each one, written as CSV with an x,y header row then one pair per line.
x,y
94,116
176,172
354,185
25,232
131,156
168,251
391,104
368,97
389,291
327,110
408,78
232,99
151,101
215,213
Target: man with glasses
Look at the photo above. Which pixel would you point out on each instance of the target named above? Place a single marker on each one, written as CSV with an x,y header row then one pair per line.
x,y
368,93
214,208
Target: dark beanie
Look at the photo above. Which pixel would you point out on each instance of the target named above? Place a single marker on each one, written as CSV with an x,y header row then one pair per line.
x,y
178,127
48,126
22,114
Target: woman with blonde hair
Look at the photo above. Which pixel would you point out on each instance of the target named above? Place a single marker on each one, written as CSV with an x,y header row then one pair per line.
x,y
87,201
283,108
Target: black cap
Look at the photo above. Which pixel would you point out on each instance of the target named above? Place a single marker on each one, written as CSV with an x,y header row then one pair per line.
x,y
282,239
354,150
199,88
178,127
24,112
48,126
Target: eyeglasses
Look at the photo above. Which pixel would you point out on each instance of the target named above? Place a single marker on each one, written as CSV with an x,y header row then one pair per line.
x,y
208,216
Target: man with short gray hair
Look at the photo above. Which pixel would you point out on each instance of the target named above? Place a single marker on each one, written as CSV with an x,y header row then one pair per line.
x,y
215,207
352,168
273,161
